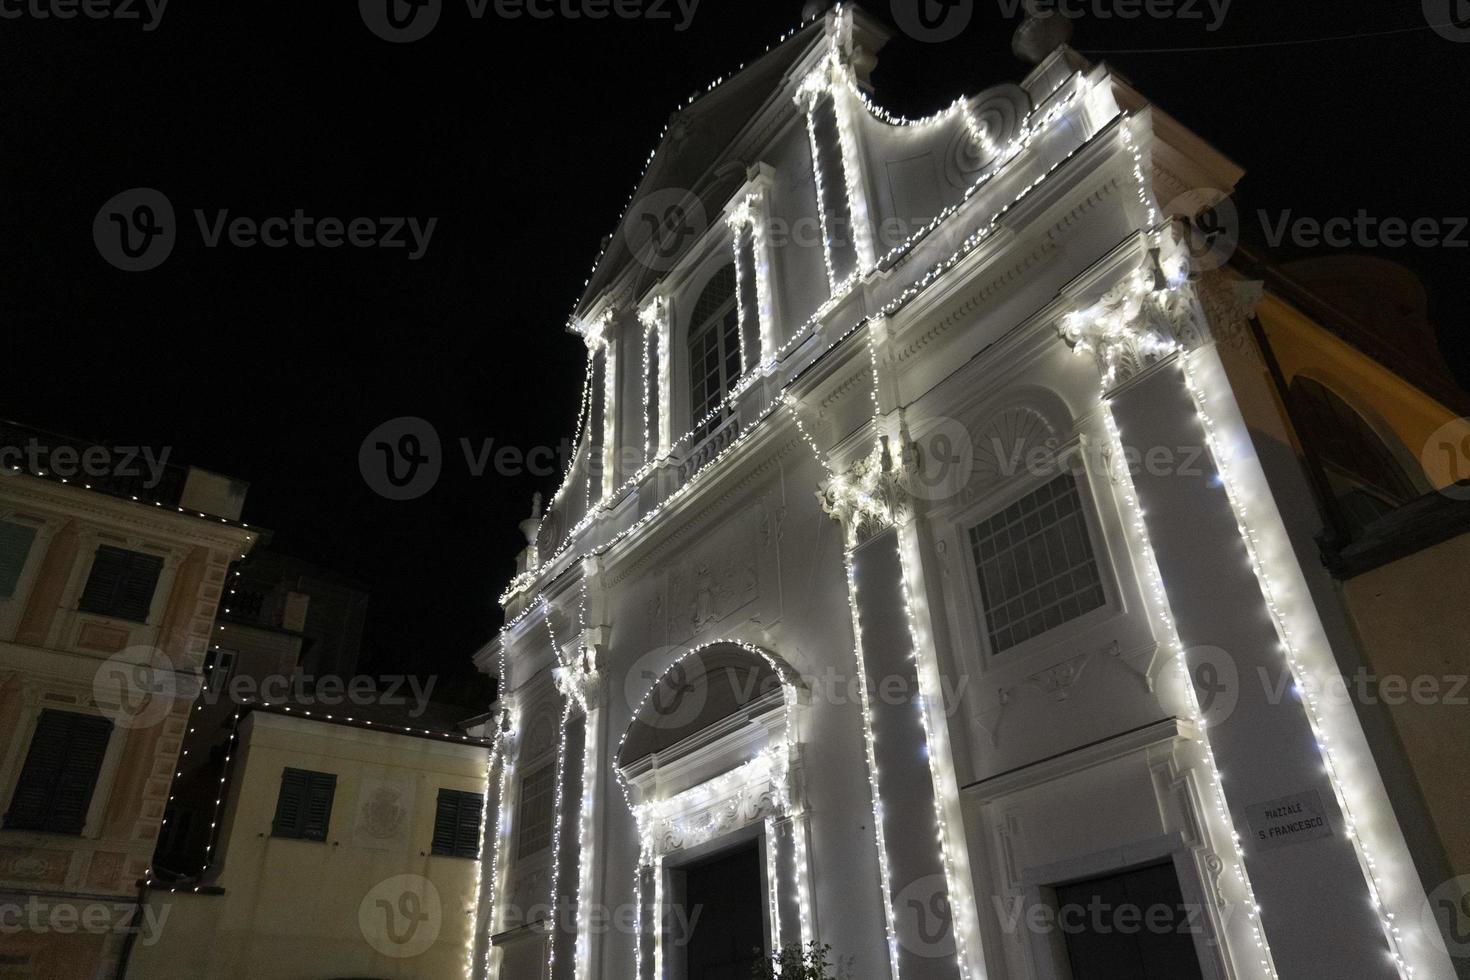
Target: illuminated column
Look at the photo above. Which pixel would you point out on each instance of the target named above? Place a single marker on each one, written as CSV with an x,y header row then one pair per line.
x,y
913,780
1316,905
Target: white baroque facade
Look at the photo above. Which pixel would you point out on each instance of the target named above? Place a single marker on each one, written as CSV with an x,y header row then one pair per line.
x,y
858,572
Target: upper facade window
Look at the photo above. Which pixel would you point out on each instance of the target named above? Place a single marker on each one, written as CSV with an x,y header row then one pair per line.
x,y
121,583
60,773
1036,565
714,352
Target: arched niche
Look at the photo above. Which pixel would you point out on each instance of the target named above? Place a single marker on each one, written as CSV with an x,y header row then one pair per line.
x,y
720,722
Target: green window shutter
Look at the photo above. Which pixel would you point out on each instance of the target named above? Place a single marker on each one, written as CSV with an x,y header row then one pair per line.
x,y
290,804
60,773
304,806
15,545
457,818
319,792
121,583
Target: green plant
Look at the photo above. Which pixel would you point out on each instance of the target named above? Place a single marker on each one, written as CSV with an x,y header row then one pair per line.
x,y
792,962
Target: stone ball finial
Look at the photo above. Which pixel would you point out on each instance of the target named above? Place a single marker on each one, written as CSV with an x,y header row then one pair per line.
x,y
1040,33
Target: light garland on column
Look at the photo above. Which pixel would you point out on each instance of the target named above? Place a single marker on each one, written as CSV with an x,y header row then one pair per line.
x,y
962,910
561,765
499,854
1163,617
1300,672
750,214
485,841
655,321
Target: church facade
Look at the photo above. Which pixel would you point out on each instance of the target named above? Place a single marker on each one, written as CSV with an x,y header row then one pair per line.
x,y
918,588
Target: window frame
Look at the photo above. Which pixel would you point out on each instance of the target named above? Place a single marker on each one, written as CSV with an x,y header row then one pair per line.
x,y
1001,496
546,768
124,616
458,849
101,782
719,324
312,777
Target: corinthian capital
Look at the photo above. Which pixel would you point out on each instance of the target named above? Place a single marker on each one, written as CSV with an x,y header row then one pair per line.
x,y
872,495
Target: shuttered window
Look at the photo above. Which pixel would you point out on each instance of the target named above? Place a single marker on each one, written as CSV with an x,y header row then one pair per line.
x,y
15,544
457,823
60,773
121,583
304,808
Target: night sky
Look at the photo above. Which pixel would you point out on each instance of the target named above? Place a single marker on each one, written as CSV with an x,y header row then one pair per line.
x,y
523,138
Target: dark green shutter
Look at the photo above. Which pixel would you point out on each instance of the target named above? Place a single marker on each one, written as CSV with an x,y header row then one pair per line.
x,y
319,792
304,806
289,804
121,583
60,773
15,544
457,823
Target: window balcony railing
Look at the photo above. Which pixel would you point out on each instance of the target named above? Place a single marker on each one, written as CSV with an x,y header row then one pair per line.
x,y
707,449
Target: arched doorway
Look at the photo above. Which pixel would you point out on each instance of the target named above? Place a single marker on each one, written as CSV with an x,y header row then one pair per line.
x,y
710,768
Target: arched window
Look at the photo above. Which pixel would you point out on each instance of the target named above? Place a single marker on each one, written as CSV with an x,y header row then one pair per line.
x,y
714,351
1365,476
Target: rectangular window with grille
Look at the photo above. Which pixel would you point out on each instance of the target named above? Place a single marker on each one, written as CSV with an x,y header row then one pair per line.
x,y
304,806
15,545
1035,564
121,583
60,773
537,810
457,823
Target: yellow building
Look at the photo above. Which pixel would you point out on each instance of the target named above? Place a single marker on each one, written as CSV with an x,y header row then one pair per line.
x,y
1365,438
347,847
112,564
